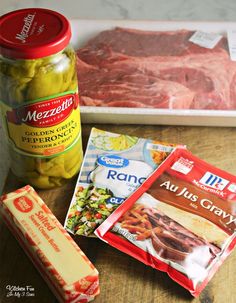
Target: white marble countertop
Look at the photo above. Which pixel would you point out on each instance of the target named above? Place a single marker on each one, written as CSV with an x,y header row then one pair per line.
x,y
220,10
202,10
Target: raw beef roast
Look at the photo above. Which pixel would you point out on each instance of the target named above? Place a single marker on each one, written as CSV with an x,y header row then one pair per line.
x,y
133,68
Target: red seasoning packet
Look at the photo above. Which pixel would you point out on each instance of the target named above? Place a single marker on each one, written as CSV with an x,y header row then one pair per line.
x,y
182,220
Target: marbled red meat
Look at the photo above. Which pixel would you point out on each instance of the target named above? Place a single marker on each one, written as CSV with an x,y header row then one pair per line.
x,y
133,68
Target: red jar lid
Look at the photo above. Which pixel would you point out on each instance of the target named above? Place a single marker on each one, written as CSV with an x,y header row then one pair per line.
x,y
33,33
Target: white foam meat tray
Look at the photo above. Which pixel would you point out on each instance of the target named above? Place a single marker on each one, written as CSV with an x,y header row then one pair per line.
x,y
83,30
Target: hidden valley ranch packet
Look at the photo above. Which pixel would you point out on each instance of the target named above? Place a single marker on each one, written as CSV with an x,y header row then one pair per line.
x,y
114,166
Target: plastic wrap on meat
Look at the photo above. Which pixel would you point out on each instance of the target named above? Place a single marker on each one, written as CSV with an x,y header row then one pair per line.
x,y
134,68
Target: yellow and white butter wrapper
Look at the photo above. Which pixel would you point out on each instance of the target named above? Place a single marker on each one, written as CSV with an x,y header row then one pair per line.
x,y
65,268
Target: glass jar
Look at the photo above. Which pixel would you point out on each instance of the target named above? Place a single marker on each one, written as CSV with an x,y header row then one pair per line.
x,y
39,97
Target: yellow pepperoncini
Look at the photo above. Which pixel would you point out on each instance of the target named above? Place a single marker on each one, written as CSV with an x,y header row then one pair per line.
x,y
26,80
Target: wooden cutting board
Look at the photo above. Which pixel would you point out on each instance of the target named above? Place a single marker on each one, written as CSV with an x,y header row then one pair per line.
x,y
122,278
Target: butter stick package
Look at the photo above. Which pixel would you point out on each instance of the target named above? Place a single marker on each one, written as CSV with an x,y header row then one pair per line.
x,y
181,220
65,268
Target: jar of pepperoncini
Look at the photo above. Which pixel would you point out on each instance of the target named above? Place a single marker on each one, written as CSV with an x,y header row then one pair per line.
x,y
39,96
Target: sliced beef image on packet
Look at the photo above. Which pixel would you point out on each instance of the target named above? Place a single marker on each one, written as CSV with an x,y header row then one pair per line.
x,y
181,220
114,166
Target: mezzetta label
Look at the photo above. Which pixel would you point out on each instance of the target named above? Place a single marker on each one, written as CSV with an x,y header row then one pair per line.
x,y
24,34
44,113
44,127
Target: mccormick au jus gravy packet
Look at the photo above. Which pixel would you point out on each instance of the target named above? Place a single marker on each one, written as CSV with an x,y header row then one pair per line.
x,y
181,220
114,166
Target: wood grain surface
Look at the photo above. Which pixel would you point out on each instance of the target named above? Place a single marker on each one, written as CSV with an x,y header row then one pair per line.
x,y
122,278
